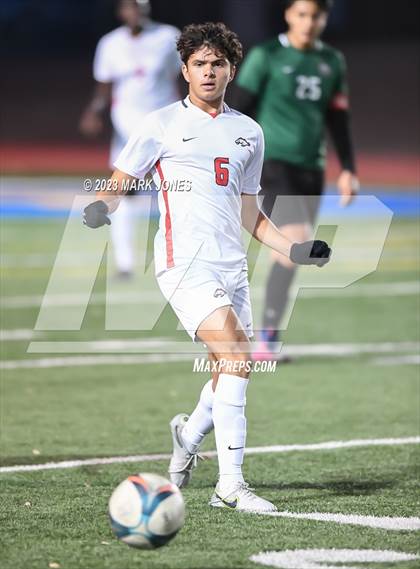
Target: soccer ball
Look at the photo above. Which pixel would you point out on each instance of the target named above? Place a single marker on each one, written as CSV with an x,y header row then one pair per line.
x,y
146,511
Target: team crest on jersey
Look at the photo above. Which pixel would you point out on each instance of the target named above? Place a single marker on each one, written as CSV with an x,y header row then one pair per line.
x,y
242,142
219,293
324,68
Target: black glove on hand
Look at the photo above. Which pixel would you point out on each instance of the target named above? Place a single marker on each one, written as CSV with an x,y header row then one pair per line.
x,y
310,253
95,215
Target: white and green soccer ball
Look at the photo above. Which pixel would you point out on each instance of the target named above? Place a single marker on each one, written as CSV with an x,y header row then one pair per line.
x,y
146,511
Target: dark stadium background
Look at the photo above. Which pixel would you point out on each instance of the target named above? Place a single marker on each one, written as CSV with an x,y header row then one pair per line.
x,y
47,48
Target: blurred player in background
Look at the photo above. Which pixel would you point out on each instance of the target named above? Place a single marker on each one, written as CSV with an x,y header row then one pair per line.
x,y
136,68
295,86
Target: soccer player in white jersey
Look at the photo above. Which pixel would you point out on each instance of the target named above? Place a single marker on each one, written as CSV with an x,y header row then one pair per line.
x,y
136,69
199,257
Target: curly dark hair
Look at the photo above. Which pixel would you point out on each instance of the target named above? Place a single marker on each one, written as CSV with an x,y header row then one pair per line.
x,y
324,5
211,34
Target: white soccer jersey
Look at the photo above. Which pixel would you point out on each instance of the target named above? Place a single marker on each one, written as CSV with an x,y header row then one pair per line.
x,y
207,163
143,70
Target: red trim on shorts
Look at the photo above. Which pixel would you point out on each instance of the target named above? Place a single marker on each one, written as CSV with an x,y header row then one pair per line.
x,y
168,222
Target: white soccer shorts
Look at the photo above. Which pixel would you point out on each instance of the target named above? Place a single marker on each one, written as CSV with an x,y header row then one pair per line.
x,y
196,292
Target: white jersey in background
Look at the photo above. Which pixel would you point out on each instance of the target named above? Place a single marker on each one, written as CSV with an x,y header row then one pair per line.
x,y
143,70
208,162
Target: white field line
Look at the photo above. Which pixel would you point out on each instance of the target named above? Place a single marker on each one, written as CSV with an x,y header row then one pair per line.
x,y
397,360
387,523
167,347
167,344
159,344
154,296
12,335
40,260
276,449
318,558
79,361
349,349
16,335
185,348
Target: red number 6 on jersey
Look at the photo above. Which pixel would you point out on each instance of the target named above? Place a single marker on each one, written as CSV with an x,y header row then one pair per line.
x,y
222,173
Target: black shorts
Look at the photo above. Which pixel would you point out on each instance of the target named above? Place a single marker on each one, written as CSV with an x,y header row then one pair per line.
x,y
294,191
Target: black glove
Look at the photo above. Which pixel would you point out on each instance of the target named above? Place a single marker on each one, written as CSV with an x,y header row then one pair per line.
x,y
95,215
310,253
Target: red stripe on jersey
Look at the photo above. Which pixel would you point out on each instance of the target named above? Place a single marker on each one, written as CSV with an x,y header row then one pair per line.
x,y
168,223
214,114
340,102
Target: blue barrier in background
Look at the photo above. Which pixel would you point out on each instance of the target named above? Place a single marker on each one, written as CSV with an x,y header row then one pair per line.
x,y
402,203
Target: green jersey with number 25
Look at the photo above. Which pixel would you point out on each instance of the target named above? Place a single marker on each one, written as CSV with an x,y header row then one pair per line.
x,y
295,88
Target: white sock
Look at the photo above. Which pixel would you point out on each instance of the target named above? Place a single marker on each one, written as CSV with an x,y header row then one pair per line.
x,y
201,420
122,234
230,429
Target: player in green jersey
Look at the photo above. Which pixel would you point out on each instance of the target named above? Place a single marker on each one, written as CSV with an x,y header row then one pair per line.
x,y
295,86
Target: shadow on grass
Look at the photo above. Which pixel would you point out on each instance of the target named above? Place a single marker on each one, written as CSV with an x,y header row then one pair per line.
x,y
336,487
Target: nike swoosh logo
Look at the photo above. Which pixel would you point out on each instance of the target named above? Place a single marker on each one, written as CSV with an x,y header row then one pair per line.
x,y
234,448
232,504
188,139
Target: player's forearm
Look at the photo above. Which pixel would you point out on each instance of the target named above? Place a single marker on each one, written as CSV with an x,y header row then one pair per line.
x,y
117,186
264,231
101,98
91,122
268,234
307,253
338,122
112,202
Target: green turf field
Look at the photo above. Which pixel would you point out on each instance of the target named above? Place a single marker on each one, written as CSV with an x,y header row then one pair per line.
x,y
70,411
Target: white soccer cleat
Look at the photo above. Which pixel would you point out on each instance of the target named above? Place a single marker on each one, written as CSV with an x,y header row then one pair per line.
x,y
182,462
242,499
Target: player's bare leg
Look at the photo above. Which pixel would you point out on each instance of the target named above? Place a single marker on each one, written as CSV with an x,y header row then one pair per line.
x,y
228,343
278,284
188,432
122,234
